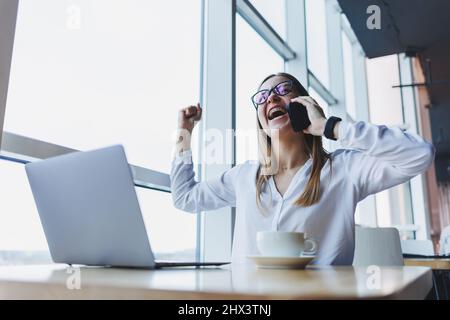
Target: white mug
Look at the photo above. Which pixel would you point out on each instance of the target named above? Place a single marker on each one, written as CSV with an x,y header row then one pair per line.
x,y
284,244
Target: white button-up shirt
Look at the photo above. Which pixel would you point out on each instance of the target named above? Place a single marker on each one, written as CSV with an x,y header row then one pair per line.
x,y
373,158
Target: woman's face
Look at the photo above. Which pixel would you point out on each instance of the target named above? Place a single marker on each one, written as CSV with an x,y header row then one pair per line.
x,y
273,114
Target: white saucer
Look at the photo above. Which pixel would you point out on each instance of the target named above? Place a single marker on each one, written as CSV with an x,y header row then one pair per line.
x,y
281,262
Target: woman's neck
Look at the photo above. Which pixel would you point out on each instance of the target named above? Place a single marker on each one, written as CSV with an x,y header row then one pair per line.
x,y
290,151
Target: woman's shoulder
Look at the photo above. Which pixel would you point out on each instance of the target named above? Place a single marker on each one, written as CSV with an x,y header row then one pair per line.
x,y
241,172
248,165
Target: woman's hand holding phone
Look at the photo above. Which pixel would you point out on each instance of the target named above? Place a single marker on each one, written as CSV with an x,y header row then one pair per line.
x,y
298,116
315,115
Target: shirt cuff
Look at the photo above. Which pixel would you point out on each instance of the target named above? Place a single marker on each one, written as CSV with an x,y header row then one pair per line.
x,y
184,157
343,132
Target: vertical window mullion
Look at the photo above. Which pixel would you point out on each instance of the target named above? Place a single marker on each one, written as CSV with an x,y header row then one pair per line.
x,y
219,104
335,59
296,38
417,186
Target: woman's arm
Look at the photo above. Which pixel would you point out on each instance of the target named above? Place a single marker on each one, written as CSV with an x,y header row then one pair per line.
x,y
382,157
192,196
187,120
378,157
188,194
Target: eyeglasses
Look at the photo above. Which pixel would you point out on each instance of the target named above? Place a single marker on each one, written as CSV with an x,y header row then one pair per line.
x,y
281,89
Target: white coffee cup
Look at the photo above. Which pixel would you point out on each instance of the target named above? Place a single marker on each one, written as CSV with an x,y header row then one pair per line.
x,y
284,244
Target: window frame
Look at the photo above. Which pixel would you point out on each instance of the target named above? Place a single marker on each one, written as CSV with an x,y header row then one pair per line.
x,y
417,185
218,62
21,149
252,16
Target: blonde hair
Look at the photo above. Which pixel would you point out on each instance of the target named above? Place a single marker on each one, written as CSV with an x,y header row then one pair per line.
x,y
311,193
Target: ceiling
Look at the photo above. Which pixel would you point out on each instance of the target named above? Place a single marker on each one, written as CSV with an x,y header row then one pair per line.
x,y
406,25
419,28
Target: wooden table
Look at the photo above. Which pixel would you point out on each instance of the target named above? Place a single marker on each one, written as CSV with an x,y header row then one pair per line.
x,y
441,274
435,264
59,282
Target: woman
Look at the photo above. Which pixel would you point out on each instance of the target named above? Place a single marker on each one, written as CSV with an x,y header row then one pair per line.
x,y
296,185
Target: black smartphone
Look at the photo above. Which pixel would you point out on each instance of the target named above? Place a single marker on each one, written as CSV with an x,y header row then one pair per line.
x,y
298,115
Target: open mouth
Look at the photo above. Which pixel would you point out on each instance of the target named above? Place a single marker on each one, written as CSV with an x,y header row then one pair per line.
x,y
276,112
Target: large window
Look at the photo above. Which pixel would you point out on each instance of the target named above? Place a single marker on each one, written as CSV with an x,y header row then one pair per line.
x,y
20,227
91,73
172,232
316,34
273,11
86,74
393,205
255,60
384,101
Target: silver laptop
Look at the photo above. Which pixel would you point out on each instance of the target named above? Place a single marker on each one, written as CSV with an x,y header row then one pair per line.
x,y
90,212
